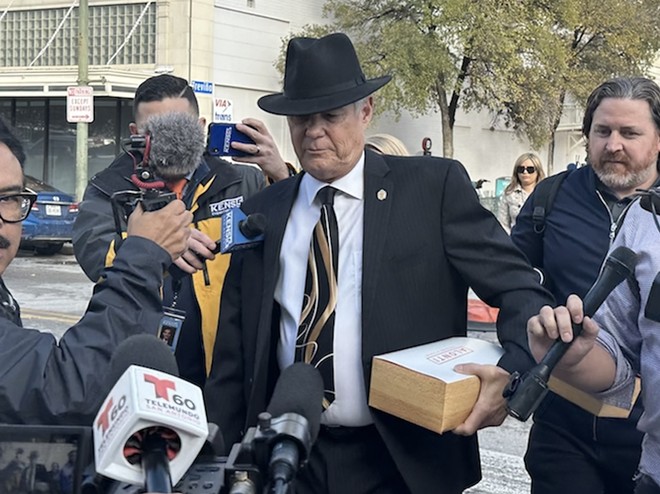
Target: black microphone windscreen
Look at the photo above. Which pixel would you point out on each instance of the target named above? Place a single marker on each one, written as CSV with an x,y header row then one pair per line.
x,y
253,225
177,144
215,442
618,266
651,201
144,350
625,258
299,390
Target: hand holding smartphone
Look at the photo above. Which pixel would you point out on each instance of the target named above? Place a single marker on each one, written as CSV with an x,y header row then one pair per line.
x,y
220,137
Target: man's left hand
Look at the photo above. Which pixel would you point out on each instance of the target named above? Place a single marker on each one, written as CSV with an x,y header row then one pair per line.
x,y
489,410
264,152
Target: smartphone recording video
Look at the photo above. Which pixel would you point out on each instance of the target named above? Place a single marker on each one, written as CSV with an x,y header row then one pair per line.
x,y
220,137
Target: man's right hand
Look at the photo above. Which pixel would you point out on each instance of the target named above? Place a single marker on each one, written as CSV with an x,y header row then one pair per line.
x,y
168,226
550,324
200,248
585,365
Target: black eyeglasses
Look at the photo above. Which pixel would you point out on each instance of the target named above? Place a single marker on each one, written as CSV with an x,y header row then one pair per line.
x,y
14,208
528,169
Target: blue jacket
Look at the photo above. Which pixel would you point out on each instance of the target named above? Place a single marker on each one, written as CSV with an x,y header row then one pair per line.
x,y
579,229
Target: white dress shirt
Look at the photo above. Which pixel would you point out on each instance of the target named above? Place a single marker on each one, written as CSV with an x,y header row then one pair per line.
x,y
349,407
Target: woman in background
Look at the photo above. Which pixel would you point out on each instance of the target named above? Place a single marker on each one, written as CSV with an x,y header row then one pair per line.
x,y
527,172
386,144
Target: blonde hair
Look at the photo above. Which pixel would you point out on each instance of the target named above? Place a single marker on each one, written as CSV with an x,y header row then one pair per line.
x,y
386,144
536,161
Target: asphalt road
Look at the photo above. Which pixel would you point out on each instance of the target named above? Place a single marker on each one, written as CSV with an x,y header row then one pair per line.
x,y
53,293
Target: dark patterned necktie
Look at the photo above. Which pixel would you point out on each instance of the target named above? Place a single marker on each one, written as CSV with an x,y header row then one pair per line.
x,y
314,344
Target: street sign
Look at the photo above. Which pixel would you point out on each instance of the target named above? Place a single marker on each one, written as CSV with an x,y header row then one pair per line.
x,y
202,87
222,110
79,104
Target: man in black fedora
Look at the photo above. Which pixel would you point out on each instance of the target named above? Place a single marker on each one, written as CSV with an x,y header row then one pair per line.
x,y
412,238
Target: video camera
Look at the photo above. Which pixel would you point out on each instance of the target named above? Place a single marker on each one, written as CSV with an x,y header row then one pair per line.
x,y
152,194
169,148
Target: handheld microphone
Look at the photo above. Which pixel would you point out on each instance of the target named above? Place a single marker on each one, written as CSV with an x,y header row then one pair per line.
x,y
240,232
282,440
176,144
152,424
295,409
525,393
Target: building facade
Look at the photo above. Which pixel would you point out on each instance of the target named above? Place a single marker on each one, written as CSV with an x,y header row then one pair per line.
x,y
229,47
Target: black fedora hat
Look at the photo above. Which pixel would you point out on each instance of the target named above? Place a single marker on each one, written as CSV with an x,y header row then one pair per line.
x,y
320,75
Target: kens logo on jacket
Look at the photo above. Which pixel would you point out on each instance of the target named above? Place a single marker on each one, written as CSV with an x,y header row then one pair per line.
x,y
219,208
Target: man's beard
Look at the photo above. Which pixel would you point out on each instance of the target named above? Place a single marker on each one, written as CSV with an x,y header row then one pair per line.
x,y
4,243
616,179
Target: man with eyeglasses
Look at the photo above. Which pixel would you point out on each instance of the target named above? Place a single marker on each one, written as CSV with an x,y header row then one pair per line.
x,y
14,208
46,382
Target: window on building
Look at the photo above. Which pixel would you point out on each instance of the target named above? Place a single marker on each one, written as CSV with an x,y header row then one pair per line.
x,y
61,154
25,33
30,125
50,141
5,110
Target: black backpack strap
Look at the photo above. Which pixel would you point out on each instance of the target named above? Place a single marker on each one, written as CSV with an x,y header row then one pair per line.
x,y
544,196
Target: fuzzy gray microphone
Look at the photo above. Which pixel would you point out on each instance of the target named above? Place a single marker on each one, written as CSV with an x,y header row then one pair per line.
x,y
177,144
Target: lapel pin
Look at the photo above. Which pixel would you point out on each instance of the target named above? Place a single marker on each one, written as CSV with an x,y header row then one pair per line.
x,y
381,194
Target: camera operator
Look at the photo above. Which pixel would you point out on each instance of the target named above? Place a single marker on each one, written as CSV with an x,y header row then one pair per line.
x,y
213,185
46,382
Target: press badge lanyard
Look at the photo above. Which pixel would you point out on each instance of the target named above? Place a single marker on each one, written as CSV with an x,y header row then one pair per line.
x,y
173,318
172,321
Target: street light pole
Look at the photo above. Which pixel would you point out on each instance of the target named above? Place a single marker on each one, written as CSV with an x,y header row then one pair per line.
x,y
82,128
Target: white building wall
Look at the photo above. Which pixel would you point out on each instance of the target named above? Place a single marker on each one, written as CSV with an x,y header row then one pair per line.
x,y
247,42
485,153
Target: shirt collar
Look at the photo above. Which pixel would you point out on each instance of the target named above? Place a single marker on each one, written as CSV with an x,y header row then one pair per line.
x,y
351,184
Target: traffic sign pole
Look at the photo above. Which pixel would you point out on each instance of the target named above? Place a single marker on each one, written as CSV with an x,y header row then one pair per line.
x,y
82,130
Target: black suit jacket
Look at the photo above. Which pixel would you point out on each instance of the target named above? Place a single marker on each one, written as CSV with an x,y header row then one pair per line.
x,y
424,245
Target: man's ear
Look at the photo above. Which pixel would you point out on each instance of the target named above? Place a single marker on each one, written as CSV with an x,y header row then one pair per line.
x,y
133,129
202,122
367,110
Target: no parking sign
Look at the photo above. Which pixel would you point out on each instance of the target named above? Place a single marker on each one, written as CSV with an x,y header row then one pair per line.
x,y
79,104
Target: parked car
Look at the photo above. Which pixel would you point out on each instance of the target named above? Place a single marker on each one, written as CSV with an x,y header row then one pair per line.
x,y
50,222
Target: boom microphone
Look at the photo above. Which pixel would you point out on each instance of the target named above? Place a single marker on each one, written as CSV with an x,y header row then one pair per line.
x,y
176,144
298,401
274,450
152,424
524,394
239,231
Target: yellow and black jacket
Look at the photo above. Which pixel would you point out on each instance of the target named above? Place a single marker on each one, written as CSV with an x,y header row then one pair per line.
x,y
215,186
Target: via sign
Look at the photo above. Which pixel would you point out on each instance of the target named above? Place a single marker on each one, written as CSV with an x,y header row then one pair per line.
x,y
202,87
222,110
